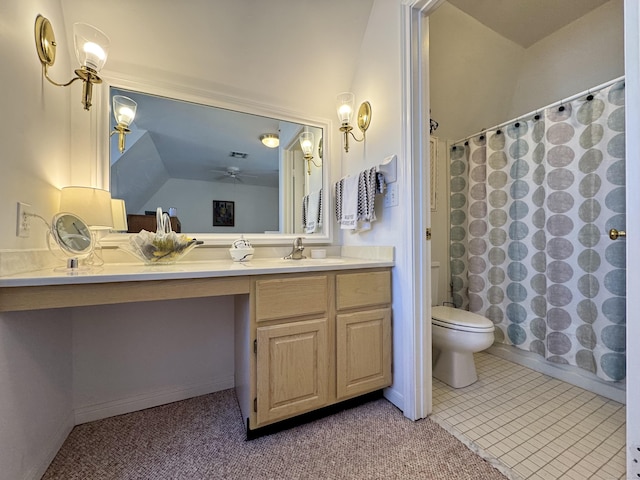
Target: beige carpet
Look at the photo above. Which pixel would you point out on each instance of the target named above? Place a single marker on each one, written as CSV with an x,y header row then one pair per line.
x,y
204,438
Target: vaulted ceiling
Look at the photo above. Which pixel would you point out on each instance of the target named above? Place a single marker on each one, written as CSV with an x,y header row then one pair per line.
x,y
526,22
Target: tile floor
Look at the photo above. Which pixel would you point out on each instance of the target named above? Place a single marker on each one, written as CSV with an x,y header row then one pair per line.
x,y
538,427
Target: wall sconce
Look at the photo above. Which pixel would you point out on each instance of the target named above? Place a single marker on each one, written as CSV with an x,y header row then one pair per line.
x,y
271,140
346,102
91,46
306,144
124,111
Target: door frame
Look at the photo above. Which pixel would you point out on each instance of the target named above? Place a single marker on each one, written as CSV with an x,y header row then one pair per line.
x,y
416,77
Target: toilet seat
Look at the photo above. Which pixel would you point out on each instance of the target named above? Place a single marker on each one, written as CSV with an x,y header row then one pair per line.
x,y
457,319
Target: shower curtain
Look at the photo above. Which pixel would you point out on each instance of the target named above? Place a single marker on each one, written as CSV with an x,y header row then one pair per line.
x,y
531,206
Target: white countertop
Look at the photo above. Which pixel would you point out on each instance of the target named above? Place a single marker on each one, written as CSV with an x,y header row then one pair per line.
x,y
132,272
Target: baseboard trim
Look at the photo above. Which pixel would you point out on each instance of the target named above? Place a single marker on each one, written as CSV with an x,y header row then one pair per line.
x,y
395,397
90,413
46,456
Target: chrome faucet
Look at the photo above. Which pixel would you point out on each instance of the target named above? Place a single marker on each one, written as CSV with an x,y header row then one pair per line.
x,y
296,252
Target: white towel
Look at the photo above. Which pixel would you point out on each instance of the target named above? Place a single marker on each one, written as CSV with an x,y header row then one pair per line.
x,y
313,212
349,203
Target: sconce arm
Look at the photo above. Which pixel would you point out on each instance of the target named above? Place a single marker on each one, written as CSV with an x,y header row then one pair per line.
x,y
347,129
45,72
355,138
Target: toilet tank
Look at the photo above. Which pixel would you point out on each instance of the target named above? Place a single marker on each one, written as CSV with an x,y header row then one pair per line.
x,y
435,280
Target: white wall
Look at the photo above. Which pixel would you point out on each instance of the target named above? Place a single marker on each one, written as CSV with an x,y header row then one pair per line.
x,y
256,207
378,80
138,355
35,347
35,390
584,54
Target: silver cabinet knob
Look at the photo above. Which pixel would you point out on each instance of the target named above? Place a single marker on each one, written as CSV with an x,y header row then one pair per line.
x,y
615,234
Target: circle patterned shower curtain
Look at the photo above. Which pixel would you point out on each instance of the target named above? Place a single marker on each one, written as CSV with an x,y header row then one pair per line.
x,y
531,205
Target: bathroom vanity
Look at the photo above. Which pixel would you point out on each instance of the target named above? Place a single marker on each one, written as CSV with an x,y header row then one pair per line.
x,y
308,334
312,340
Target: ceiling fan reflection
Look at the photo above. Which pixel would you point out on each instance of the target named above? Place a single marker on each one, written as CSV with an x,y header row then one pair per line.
x,y
234,174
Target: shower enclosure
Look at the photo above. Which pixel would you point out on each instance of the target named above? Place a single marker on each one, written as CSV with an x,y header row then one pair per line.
x,y
531,204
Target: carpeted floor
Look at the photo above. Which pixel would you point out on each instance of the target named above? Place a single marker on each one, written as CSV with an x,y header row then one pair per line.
x,y
204,438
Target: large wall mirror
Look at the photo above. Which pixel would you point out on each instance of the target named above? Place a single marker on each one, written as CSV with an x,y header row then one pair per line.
x,y
206,160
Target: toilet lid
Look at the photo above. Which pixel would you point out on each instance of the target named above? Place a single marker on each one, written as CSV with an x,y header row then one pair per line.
x,y
461,319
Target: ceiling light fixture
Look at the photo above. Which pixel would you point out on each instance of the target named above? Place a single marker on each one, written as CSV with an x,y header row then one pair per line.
x,y
91,46
346,102
271,140
124,111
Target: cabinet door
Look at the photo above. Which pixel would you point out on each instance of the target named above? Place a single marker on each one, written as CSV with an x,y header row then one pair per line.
x,y
363,353
292,369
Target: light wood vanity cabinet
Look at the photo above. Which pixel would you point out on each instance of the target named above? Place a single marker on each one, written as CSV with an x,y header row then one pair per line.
x,y
292,355
363,333
318,338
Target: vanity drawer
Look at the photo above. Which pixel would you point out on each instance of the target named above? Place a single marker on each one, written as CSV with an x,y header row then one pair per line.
x,y
354,290
291,297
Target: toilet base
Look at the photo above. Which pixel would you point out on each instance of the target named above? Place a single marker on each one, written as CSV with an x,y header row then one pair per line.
x,y
456,369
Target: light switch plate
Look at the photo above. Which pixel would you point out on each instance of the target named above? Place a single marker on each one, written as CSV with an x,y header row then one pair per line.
x,y
391,195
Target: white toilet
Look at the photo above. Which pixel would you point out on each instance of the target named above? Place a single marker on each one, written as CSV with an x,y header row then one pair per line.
x,y
456,336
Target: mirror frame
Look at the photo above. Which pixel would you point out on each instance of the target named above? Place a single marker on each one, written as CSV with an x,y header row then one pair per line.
x,y
100,127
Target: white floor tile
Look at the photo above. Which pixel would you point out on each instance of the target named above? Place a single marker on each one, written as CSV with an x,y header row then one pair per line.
x,y
539,427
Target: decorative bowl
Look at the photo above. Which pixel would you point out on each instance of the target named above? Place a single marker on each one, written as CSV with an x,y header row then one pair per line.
x,y
241,254
161,250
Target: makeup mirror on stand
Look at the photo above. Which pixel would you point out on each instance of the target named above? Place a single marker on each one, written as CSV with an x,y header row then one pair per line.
x,y
73,238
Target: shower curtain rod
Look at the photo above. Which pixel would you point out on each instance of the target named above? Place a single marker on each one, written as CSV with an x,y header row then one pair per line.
x,y
538,110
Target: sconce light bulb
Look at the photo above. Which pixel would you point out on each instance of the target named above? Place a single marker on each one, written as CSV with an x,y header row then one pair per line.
x,y
345,104
344,113
125,116
91,46
95,55
306,144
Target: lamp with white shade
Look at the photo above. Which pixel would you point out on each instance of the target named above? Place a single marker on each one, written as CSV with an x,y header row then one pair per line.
x,y
93,205
119,214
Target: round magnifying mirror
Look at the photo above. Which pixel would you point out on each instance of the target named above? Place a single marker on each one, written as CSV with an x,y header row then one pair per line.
x,y
72,235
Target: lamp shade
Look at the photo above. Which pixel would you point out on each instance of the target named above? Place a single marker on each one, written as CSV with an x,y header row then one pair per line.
x,y
124,110
345,104
91,45
306,143
93,205
119,214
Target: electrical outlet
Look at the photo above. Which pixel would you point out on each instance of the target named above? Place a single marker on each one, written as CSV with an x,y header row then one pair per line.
x,y
634,461
23,221
391,195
